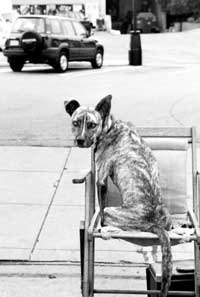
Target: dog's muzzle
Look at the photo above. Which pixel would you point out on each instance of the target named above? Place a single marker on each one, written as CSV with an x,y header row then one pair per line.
x,y
84,143
80,142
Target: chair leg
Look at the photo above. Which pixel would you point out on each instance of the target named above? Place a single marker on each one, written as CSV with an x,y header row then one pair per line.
x,y
87,263
86,266
197,269
81,234
91,267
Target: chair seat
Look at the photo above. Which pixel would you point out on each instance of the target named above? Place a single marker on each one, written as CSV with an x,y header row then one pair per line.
x,y
148,238
181,232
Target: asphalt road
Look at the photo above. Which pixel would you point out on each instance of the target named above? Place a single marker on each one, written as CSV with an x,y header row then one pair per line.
x,y
155,94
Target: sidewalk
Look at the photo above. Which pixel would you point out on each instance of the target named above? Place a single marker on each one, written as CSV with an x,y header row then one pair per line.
x,y
41,209
32,178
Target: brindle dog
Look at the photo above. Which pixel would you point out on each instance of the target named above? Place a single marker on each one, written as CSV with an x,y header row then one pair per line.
x,y
124,156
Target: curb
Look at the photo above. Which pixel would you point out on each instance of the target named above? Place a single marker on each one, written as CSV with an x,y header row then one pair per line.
x,y
66,270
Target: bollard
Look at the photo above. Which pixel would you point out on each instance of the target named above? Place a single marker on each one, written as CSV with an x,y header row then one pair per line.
x,y
135,52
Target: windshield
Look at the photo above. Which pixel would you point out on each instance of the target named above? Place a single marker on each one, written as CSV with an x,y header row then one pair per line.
x,y
26,24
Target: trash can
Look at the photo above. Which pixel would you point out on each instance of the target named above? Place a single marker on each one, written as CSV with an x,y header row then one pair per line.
x,y
135,52
182,277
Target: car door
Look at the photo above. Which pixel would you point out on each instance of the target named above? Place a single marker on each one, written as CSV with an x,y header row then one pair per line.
x,y
88,46
73,40
57,34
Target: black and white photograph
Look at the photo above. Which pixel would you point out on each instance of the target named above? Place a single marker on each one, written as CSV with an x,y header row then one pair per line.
x,y
99,148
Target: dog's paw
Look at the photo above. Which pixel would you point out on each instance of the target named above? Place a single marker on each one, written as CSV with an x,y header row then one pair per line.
x,y
184,232
107,231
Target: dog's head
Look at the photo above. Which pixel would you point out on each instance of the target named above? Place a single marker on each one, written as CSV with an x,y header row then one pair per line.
x,y
87,122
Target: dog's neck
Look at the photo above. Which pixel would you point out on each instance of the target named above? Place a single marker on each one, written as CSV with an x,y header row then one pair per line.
x,y
108,123
107,126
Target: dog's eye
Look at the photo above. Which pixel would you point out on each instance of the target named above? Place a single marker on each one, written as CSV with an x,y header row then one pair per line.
x,y
75,123
91,125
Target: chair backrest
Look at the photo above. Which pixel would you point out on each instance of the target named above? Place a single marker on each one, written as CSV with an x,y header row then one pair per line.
x,y
171,147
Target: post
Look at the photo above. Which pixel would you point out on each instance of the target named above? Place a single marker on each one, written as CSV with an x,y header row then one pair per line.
x,y
134,16
135,52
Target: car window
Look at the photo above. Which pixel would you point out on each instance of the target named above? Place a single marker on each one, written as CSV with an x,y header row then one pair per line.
x,y
69,30
55,26
80,30
48,26
25,24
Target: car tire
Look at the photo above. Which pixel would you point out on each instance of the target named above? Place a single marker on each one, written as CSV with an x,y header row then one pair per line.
x,y
16,66
61,63
31,41
97,62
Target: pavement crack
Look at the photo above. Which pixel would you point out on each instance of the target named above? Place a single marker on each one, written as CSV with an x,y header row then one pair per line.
x,y
172,112
50,204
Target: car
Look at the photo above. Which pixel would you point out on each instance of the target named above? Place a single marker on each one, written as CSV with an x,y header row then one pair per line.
x,y
53,40
147,23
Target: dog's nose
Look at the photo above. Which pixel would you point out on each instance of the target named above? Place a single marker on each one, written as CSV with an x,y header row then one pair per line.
x,y
80,142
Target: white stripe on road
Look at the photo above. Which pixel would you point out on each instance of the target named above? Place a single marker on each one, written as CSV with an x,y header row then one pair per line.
x,y
69,74
93,72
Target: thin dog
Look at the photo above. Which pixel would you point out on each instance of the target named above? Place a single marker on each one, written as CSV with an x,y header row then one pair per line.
x,y
122,155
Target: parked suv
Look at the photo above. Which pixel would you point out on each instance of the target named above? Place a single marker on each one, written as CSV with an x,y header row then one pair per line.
x,y
52,40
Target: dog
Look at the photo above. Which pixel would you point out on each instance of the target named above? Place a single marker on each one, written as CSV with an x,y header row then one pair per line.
x,y
122,155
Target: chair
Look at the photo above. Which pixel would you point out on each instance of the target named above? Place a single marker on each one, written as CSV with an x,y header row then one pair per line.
x,y
174,149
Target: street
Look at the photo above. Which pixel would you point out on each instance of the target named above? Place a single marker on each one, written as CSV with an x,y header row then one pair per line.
x,y
161,92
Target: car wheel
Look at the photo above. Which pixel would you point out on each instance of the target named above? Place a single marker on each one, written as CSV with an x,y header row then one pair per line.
x,y
31,41
61,63
16,66
97,62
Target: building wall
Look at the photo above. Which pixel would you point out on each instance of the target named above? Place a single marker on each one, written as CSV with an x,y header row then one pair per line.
x,y
45,2
101,4
127,5
124,6
94,9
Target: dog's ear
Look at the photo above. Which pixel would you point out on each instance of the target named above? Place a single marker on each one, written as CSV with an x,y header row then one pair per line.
x,y
104,106
71,106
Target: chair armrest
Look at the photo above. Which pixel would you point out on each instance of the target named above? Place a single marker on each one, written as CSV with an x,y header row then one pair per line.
x,y
81,177
94,222
195,223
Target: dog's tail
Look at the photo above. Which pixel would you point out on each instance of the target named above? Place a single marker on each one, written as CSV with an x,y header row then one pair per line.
x,y
166,260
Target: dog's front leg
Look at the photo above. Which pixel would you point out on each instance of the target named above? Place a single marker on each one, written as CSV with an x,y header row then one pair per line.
x,y
105,170
101,192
